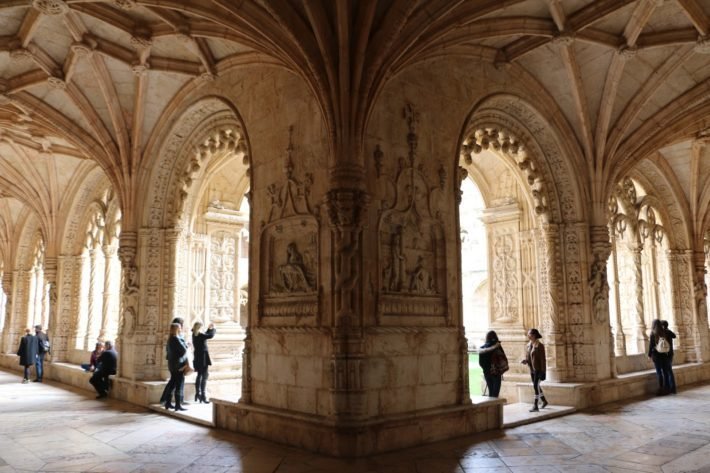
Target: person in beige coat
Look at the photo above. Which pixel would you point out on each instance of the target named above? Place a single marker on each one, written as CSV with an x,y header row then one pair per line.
x,y
535,359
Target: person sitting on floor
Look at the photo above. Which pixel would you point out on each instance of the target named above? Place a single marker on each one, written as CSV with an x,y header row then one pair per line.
x,y
91,365
106,366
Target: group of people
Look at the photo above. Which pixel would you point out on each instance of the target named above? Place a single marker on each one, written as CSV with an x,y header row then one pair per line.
x,y
32,350
494,363
177,350
660,351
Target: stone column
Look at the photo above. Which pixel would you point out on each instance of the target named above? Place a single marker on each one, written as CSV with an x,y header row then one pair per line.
x,y
640,335
50,277
619,336
598,283
92,325
346,207
700,325
108,322
6,340
130,298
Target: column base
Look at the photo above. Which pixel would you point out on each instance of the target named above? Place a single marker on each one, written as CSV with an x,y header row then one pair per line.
x,y
359,438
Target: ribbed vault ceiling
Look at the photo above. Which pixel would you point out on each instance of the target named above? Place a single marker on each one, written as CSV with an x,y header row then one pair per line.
x,y
89,79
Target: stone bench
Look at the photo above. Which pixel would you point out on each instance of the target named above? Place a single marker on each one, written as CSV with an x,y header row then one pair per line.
x,y
624,386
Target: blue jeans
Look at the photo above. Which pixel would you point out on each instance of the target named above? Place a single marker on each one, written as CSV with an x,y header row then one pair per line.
x,y
667,373
39,365
493,383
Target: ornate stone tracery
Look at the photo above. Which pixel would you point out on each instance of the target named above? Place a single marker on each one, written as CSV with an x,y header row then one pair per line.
x,y
290,249
412,273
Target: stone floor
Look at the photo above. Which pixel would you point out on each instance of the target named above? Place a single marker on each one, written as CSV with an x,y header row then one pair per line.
x,y
49,427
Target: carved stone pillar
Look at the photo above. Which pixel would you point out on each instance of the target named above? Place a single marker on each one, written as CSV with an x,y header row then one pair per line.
x,y
130,298
50,278
700,293
7,284
640,335
602,337
346,208
93,323
553,325
619,336
108,317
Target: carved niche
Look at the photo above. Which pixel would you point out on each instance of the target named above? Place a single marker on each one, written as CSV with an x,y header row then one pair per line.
x,y
289,248
412,248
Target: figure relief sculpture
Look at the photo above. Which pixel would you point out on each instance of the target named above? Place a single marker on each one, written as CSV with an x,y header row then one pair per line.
x,y
129,301
293,274
420,280
701,298
398,261
600,290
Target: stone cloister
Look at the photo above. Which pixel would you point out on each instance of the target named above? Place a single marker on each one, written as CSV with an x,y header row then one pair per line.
x,y
292,173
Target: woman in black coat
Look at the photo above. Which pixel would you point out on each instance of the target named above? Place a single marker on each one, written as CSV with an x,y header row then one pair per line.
x,y
177,364
202,359
29,346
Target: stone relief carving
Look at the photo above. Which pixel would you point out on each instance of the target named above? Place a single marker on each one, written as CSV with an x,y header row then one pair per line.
x,y
129,301
289,242
411,244
505,279
600,290
494,139
222,280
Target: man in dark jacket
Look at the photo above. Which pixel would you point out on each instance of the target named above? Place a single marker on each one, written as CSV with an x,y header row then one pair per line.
x,y
105,367
27,353
42,350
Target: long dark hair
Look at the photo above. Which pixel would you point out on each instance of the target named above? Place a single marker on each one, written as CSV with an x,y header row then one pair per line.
x,y
535,333
657,328
492,337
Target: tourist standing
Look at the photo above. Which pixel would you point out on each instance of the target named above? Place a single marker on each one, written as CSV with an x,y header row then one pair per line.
x,y
201,361
27,353
177,364
535,359
42,350
659,351
493,378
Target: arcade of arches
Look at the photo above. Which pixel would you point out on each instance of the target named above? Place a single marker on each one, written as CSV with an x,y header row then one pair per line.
x,y
314,177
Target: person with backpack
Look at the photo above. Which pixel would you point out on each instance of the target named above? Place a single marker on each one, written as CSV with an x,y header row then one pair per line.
x,y
494,363
660,349
536,361
43,348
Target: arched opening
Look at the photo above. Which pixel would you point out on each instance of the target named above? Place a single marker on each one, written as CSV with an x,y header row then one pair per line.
x,y
474,263
640,281
499,269
99,276
38,292
213,250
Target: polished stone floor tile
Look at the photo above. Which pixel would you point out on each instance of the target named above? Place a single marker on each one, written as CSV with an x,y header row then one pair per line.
x,y
51,427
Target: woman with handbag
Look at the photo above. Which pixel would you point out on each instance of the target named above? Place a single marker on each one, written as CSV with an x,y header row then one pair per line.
x,y
535,359
202,360
485,360
178,366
